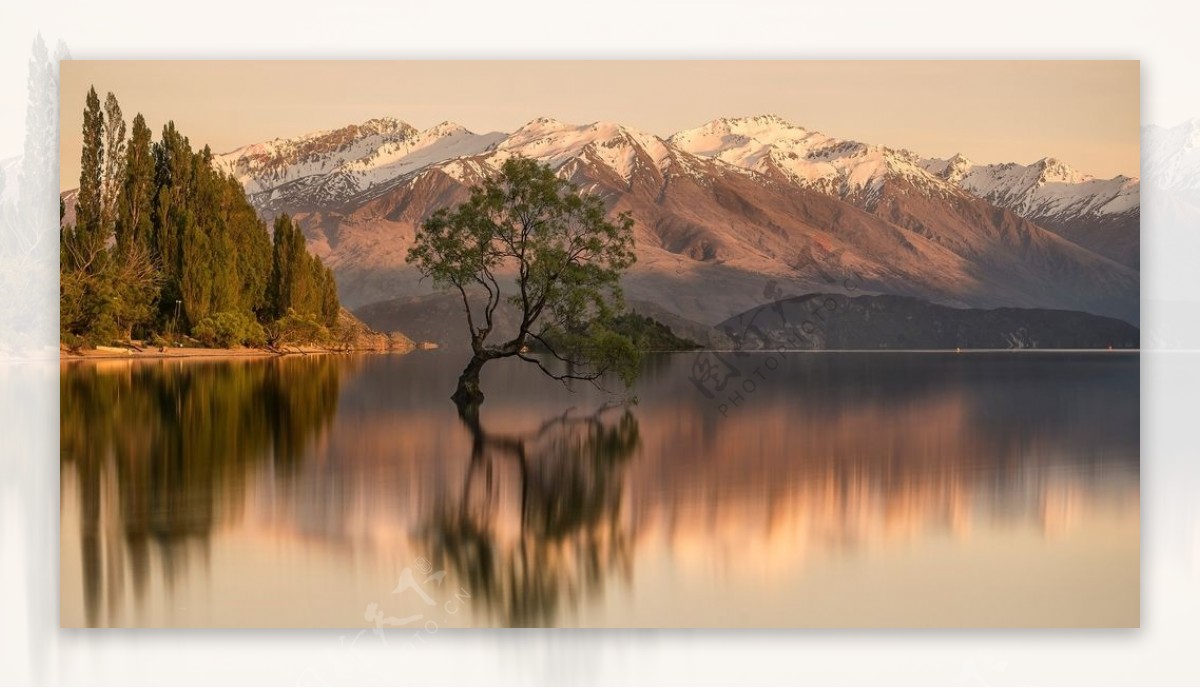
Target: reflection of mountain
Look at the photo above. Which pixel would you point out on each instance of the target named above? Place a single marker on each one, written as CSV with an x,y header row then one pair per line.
x,y
159,452
718,210
563,519
844,450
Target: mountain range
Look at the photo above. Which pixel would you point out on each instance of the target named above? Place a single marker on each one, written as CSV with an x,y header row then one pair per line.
x,y
729,215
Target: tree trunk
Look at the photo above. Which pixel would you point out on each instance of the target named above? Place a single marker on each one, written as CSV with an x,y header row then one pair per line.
x,y
468,392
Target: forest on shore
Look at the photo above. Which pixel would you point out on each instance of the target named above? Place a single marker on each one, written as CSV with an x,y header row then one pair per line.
x,y
164,248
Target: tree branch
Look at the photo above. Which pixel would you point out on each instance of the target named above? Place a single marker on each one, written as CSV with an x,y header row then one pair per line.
x,y
470,320
591,377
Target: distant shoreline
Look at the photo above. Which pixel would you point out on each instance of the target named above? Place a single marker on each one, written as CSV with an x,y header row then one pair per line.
x,y
904,351
201,354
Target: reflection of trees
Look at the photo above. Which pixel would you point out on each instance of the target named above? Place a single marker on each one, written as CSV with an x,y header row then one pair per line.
x,y
159,448
538,519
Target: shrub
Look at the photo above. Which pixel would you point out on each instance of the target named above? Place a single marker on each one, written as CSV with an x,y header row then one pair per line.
x,y
299,328
73,342
229,328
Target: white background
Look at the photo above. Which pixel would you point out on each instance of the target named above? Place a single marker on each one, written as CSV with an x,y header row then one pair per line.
x,y
1164,36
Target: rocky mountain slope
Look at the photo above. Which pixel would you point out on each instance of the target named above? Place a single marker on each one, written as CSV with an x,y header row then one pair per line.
x,y
1103,215
1100,215
720,212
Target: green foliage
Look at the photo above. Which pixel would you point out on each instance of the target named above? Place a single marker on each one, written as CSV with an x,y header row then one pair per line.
x,y
136,201
299,329
195,279
156,223
300,282
567,257
113,174
105,296
229,329
644,333
87,238
87,307
649,334
598,345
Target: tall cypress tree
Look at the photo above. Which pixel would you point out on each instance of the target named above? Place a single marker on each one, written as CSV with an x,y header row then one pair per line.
x,y
252,248
329,298
114,164
195,282
172,179
137,198
138,279
88,237
281,267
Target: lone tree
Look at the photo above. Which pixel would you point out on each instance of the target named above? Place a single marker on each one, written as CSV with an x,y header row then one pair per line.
x,y
531,238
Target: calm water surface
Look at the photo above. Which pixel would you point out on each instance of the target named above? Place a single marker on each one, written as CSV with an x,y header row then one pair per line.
x,y
837,490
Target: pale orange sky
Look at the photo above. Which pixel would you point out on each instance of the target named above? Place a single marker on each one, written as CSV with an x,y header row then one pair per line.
x,y
1083,112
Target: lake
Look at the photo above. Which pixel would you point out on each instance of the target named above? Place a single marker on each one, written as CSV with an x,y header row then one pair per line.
x,y
751,490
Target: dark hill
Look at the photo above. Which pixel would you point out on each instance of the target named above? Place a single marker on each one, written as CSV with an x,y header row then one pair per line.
x,y
837,322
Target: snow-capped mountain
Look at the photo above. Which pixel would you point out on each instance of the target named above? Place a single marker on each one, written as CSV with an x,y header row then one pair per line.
x,y
719,210
332,166
770,145
618,148
1100,214
1047,188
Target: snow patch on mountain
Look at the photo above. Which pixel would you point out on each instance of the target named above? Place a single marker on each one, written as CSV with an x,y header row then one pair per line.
x,y
1048,188
361,161
620,148
771,145
358,162
442,142
340,163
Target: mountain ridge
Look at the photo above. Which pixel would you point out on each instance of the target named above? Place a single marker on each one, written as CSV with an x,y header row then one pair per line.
x,y
753,199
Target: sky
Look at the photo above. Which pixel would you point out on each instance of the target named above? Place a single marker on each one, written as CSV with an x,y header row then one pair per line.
x,y
1085,113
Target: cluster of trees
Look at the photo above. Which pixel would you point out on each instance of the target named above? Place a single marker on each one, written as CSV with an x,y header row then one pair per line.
x,y
164,245
649,334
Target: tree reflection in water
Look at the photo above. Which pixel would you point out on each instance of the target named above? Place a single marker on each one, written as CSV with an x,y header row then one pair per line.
x,y
159,448
538,520
291,492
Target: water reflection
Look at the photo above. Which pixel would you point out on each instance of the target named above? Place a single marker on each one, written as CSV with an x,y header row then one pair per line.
x,y
883,489
157,448
565,480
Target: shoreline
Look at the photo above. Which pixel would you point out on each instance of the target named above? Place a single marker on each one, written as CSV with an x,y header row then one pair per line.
x,y
201,354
